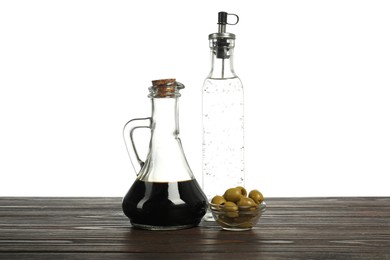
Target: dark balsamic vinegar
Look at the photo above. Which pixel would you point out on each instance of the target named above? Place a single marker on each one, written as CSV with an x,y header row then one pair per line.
x,y
165,205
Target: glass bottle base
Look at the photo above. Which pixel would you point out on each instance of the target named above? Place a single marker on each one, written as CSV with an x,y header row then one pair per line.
x,y
208,216
149,227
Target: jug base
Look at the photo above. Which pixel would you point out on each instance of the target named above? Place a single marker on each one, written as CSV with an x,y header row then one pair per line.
x,y
151,227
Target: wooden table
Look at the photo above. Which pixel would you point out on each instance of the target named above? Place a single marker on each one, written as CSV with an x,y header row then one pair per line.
x,y
291,228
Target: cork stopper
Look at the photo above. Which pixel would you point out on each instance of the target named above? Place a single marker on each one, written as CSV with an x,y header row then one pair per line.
x,y
165,88
159,82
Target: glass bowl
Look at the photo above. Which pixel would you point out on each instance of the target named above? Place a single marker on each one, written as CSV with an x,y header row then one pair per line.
x,y
237,218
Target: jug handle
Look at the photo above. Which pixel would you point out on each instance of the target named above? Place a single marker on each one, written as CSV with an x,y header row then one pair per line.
x,y
128,130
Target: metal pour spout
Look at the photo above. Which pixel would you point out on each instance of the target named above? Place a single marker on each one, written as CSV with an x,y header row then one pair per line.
x,y
222,41
222,21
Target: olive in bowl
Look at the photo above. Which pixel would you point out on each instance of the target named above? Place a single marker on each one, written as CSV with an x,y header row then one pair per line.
x,y
236,212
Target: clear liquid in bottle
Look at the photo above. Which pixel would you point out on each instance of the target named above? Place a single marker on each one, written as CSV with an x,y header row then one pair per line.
x,y
222,117
223,135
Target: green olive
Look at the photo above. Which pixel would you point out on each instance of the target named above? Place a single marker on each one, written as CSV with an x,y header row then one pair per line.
x,y
256,196
230,209
233,194
246,202
230,206
243,190
218,200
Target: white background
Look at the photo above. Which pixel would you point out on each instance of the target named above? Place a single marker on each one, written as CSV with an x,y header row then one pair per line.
x,y
316,76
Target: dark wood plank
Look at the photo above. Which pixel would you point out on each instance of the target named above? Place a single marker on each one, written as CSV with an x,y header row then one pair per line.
x,y
205,256
291,228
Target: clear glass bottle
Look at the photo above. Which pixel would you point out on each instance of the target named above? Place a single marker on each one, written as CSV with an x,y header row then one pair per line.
x,y
165,195
223,117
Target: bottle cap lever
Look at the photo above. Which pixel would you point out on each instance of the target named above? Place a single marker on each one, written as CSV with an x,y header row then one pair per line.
x,y
222,21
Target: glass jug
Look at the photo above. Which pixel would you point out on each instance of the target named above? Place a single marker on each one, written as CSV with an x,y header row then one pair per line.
x,y
165,195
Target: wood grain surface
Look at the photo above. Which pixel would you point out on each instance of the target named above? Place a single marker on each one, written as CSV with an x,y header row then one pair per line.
x,y
291,228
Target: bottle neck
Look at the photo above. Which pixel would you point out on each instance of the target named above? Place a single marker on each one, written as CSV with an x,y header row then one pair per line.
x,y
165,123
222,66
166,161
